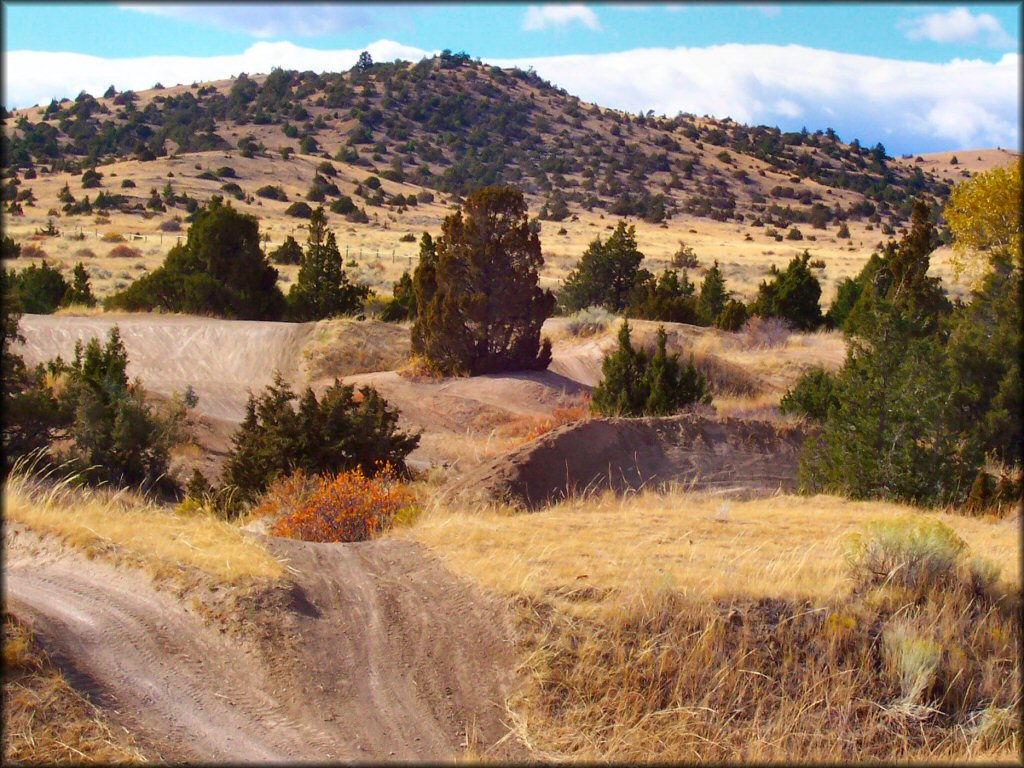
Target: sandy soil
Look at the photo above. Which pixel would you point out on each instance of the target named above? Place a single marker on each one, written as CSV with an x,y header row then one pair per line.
x,y
388,657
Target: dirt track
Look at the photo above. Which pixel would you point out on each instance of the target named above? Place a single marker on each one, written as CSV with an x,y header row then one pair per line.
x,y
391,658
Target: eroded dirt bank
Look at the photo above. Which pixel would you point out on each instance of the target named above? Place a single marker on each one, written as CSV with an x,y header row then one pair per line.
x,y
735,456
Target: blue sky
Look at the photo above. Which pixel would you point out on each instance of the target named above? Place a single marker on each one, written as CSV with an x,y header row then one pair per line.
x,y
916,77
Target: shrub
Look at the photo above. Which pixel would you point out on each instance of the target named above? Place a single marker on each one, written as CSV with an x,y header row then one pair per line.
x,y
127,184
791,295
11,249
733,316
118,438
299,210
347,507
812,396
272,192
759,333
32,251
125,252
289,252
636,384
343,205
39,288
918,554
340,430
170,225
403,301
220,269
233,189
794,234
286,496
112,237
408,237
589,321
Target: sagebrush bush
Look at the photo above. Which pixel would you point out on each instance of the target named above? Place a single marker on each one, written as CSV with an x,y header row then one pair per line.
x,y
124,252
917,554
345,507
764,333
589,321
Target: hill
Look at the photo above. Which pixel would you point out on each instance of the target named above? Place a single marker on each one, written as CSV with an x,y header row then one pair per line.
x,y
391,147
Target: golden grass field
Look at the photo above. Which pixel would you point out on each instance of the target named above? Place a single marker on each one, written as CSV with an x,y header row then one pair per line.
x,y
704,547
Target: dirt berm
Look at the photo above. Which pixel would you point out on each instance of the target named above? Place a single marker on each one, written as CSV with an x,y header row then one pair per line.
x,y
734,456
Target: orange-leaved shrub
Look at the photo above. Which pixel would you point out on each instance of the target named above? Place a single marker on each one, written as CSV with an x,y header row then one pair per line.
x,y
346,507
560,417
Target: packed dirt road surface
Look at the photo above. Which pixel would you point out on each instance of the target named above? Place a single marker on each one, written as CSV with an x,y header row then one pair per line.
x,y
386,657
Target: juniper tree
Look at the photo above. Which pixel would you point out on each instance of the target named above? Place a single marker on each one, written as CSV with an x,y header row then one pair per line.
x,y
791,295
323,289
606,274
480,308
713,295
80,291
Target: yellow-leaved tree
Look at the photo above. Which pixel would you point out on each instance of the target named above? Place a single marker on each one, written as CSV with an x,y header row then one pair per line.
x,y
983,214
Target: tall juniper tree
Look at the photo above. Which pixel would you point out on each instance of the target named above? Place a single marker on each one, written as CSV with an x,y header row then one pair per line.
x,y
477,294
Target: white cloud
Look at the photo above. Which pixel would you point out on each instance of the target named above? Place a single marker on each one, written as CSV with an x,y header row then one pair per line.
x,y
959,25
265,20
766,10
958,104
39,76
539,17
924,106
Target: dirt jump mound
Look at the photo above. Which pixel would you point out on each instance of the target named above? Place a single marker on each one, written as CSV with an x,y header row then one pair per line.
x,y
726,455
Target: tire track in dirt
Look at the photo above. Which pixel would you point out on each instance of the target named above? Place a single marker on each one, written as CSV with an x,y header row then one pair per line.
x,y
185,692
391,658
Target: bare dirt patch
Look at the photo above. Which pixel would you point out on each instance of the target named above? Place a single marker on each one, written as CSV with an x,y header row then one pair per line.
x,y
731,456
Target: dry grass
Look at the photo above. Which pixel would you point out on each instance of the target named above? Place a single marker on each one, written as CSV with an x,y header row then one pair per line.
x,y
680,627
126,527
45,721
344,347
786,546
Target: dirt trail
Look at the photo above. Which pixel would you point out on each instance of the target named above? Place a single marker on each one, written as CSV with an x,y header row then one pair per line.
x,y
390,658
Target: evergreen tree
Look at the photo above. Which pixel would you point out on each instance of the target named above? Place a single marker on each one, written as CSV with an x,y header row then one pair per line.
x,y
403,301
479,303
713,295
322,289
31,414
289,252
623,390
220,269
635,384
40,288
80,291
791,295
669,299
327,435
606,274
733,316
900,277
